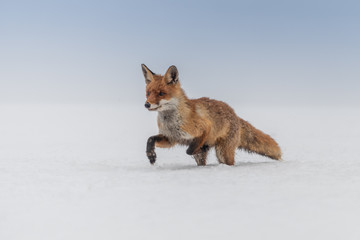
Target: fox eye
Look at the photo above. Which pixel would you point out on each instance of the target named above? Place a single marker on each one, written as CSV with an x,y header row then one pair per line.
x,y
147,93
161,93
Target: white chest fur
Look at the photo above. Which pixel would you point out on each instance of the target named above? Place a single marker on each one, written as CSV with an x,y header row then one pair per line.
x,y
170,126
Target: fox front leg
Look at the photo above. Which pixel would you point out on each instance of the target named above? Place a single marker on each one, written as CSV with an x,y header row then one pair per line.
x,y
158,140
150,149
197,146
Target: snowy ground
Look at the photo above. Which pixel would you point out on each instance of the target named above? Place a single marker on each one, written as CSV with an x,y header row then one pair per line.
x,y
80,172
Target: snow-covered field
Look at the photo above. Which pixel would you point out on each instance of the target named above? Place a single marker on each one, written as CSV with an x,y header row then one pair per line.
x,y
80,172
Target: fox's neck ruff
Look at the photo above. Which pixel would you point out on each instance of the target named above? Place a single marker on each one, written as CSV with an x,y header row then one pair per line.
x,y
174,108
172,117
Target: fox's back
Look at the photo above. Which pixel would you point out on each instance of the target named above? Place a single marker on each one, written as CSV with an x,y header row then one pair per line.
x,y
217,110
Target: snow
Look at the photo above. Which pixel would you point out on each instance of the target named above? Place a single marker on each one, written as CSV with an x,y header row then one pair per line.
x,y
80,172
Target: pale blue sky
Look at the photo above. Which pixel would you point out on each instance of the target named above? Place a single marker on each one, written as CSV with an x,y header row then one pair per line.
x,y
248,52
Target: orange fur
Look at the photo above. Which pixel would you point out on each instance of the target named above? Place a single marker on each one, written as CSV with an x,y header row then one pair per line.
x,y
200,123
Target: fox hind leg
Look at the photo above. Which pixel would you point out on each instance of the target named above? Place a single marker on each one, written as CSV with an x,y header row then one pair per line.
x,y
225,153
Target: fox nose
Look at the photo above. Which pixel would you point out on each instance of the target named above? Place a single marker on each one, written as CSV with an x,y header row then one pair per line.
x,y
147,105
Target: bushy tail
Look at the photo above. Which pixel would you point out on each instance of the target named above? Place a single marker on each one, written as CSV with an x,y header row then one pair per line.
x,y
254,140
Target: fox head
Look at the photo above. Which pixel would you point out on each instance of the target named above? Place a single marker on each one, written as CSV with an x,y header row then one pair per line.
x,y
162,92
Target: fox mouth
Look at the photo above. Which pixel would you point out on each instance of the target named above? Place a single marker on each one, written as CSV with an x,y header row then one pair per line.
x,y
153,109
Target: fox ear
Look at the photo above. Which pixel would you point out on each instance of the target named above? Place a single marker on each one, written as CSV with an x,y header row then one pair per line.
x,y
148,74
172,75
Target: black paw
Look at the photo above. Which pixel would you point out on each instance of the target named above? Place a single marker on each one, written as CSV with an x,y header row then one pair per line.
x,y
205,148
190,151
151,156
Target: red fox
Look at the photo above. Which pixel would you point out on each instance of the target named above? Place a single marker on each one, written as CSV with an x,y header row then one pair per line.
x,y
200,123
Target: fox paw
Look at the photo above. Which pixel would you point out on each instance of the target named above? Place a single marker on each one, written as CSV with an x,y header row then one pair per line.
x,y
204,148
191,151
151,156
